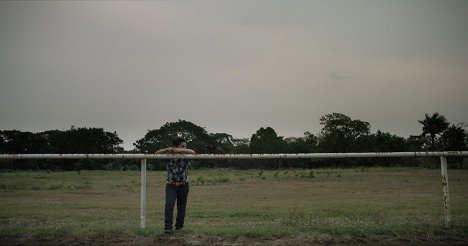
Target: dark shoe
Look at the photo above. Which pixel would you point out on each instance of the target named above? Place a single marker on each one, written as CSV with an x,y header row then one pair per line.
x,y
179,228
167,231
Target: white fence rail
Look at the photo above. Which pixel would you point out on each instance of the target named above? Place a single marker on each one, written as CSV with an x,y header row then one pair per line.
x,y
143,157
234,156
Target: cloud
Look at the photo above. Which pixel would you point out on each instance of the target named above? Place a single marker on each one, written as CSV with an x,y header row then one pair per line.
x,y
336,76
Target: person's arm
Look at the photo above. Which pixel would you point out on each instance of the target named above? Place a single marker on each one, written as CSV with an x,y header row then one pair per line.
x,y
183,151
169,150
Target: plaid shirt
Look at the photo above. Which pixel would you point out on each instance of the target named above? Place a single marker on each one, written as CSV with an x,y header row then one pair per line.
x,y
177,171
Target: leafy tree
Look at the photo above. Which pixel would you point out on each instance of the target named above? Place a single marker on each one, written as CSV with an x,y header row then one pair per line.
x,y
223,142
82,140
433,125
17,142
240,146
75,140
386,142
306,144
265,140
342,134
196,136
417,142
454,138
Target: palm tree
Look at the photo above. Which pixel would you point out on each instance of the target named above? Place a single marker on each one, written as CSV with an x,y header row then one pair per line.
x,y
433,125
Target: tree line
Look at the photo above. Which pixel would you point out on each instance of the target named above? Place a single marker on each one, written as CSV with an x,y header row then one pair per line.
x,y
339,133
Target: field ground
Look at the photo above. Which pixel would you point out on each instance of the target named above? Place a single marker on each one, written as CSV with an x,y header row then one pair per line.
x,y
388,206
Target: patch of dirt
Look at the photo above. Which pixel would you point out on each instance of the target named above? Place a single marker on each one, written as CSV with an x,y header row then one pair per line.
x,y
195,240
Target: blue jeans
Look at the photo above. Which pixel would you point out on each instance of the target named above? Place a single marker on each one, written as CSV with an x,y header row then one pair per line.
x,y
173,194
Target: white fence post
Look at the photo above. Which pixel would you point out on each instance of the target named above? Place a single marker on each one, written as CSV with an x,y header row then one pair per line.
x,y
445,189
143,195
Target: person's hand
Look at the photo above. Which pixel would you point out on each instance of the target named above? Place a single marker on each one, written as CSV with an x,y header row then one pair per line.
x,y
176,150
170,150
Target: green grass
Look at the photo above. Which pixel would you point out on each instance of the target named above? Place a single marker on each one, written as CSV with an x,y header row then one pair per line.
x,y
232,203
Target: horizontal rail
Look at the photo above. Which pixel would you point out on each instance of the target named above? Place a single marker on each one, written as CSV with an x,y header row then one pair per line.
x,y
235,156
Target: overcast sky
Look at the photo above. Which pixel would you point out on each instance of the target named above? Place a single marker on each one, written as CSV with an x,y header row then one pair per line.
x,y
231,66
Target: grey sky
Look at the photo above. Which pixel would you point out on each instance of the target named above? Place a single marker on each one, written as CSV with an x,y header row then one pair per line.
x,y
231,66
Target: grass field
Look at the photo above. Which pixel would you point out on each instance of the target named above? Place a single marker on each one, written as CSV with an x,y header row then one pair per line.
x,y
362,205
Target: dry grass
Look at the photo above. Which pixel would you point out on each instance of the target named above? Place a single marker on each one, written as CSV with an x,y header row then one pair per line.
x,y
342,203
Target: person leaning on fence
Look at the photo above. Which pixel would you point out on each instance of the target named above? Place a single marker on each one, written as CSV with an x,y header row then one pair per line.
x,y
177,185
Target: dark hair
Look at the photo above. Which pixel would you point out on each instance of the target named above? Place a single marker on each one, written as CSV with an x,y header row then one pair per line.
x,y
177,142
